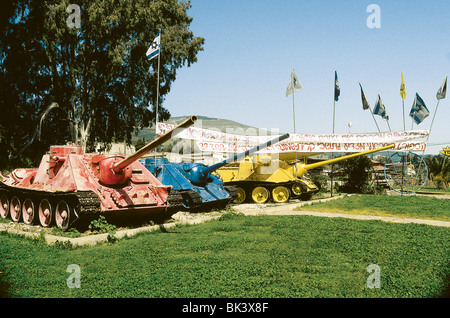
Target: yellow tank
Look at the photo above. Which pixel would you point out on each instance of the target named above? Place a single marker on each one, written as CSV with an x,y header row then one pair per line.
x,y
264,178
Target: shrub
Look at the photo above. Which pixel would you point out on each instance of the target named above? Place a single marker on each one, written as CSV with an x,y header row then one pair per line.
x,y
100,226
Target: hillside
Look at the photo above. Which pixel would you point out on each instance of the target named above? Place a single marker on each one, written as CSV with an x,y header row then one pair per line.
x,y
224,125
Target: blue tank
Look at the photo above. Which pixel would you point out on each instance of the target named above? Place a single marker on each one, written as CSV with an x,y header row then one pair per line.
x,y
193,184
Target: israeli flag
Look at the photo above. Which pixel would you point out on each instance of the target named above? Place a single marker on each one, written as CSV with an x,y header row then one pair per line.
x,y
294,84
154,48
337,89
442,90
380,109
418,110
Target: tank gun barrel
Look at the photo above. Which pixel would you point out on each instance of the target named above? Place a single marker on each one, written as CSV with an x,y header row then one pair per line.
x,y
199,174
302,169
326,162
122,164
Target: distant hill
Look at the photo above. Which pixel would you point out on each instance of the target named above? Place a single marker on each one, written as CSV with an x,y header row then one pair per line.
x,y
224,125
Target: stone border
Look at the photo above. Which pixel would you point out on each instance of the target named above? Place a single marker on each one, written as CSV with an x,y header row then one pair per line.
x,y
101,238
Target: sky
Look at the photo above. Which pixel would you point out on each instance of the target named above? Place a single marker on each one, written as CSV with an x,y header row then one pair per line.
x,y
251,47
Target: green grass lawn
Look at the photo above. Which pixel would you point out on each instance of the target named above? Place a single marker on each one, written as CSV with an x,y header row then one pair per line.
x,y
240,256
434,190
399,206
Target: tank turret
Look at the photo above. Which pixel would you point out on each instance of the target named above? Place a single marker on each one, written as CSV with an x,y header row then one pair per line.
x,y
69,185
115,169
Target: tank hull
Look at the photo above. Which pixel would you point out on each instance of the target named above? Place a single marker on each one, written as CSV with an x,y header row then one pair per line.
x,y
69,185
267,181
66,175
194,197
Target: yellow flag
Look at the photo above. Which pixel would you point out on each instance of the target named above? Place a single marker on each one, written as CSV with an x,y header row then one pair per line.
x,y
402,89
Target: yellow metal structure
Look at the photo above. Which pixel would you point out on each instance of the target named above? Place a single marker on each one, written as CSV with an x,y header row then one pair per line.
x,y
279,180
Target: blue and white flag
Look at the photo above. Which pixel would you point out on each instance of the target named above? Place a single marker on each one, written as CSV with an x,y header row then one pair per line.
x,y
418,110
154,48
337,89
365,103
294,84
442,90
380,109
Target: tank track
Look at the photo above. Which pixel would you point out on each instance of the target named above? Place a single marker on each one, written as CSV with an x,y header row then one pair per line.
x,y
174,200
184,200
83,202
232,191
249,186
195,200
88,201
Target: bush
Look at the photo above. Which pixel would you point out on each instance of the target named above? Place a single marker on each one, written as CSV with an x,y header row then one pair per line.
x,y
320,181
357,170
441,181
101,226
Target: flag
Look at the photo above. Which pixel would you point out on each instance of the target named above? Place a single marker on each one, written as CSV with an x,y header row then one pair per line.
x,y
294,84
402,89
380,109
442,90
418,110
337,90
154,48
364,100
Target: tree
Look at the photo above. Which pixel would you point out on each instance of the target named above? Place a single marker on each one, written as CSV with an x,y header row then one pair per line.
x,y
439,170
97,73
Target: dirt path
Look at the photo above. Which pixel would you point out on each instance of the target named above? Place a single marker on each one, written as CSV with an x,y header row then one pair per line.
x,y
289,209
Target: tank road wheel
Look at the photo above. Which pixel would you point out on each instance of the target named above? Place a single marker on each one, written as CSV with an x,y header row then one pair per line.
x,y
14,209
297,189
260,195
280,194
62,215
28,211
4,206
241,196
45,213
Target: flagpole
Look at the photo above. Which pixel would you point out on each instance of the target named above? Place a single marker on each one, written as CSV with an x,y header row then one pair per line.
x,y
293,109
429,131
294,85
334,107
403,104
374,119
295,152
332,154
157,90
432,121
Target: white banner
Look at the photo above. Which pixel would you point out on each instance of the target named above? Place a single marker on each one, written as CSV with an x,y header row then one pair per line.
x,y
216,141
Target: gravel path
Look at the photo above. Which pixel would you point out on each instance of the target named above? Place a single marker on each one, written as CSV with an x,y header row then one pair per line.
x,y
289,209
